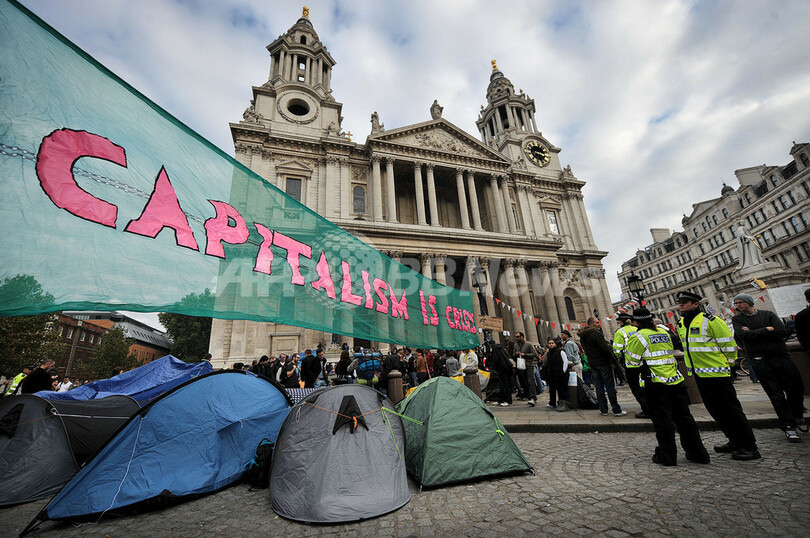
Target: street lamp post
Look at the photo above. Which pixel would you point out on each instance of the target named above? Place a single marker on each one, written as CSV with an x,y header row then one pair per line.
x,y
636,286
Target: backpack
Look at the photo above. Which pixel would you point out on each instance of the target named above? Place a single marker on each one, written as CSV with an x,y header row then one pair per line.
x,y
367,366
257,473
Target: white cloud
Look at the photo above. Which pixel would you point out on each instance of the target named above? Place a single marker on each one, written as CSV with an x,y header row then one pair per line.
x,y
653,103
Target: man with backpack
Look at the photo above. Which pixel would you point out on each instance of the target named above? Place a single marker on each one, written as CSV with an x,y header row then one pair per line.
x,y
310,369
368,368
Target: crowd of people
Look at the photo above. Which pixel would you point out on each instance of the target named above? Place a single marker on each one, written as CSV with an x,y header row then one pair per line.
x,y
642,353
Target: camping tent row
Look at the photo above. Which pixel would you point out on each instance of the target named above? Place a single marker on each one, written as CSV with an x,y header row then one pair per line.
x,y
47,437
342,453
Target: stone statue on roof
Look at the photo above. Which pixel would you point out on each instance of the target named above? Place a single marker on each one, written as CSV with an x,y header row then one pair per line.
x,y
436,110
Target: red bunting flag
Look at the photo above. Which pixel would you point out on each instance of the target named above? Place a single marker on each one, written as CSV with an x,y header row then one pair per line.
x,y
519,313
568,326
536,321
497,300
670,315
643,303
553,326
762,298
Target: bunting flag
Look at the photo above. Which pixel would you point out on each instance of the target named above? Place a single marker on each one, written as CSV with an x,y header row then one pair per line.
x,y
110,203
553,326
670,315
762,298
536,320
498,301
519,313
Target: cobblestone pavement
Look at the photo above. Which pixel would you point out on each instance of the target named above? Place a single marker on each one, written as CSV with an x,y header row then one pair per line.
x,y
587,484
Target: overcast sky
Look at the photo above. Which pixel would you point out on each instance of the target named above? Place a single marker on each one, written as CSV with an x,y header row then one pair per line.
x,y
653,103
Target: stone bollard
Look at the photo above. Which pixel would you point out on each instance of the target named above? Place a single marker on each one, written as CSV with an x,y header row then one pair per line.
x,y
471,380
573,394
395,386
691,385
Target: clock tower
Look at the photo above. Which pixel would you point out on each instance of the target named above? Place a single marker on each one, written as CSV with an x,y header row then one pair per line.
x,y
508,125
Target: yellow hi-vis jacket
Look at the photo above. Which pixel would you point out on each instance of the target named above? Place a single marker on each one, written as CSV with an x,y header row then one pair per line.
x,y
12,387
708,346
620,338
654,348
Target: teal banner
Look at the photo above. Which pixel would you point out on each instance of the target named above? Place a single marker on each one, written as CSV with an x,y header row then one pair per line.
x,y
110,203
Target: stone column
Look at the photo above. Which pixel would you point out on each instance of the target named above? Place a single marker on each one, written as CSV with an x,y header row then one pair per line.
x,y
507,204
525,298
420,195
559,299
476,213
498,123
329,187
580,201
308,71
376,181
539,216
425,259
569,221
294,68
525,211
513,299
497,201
462,200
346,199
534,122
392,193
434,208
484,263
282,57
319,76
439,268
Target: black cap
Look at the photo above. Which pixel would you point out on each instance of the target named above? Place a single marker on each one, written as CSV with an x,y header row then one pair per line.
x,y
565,331
641,313
688,296
624,315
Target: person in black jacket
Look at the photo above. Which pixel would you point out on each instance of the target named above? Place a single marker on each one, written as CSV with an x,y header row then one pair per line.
x,y
310,369
41,378
502,365
602,362
762,335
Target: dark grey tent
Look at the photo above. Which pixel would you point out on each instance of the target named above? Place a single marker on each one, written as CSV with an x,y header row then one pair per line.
x,y
43,443
340,456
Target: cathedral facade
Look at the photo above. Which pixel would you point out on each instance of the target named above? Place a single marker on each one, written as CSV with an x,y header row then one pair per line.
x,y
499,210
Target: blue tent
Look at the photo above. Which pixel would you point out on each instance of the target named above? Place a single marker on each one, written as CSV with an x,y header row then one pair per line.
x,y
195,439
142,384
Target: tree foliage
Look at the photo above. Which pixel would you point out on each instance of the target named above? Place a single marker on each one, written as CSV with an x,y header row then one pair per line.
x,y
111,355
26,339
190,334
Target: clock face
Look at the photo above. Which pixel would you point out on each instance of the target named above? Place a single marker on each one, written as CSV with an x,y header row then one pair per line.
x,y
537,153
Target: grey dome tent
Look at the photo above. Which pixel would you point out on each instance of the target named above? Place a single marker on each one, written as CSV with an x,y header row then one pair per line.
x,y
340,456
459,438
43,443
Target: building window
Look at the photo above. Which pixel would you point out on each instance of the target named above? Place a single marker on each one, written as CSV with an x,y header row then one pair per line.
x,y
725,213
798,254
784,201
757,218
552,223
695,231
293,188
714,219
569,308
702,249
359,200
70,333
92,337
774,181
766,236
748,197
804,159
784,259
795,223
776,207
704,226
787,230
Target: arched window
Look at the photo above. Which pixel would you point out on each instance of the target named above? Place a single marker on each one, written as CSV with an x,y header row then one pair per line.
x,y
303,40
359,200
725,212
569,308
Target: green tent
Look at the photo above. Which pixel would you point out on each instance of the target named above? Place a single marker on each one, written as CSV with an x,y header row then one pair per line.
x,y
459,438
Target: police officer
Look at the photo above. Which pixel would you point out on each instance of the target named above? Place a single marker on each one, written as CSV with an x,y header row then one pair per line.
x,y
650,348
632,370
12,386
709,352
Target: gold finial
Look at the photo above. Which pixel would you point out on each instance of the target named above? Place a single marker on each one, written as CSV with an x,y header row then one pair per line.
x,y
494,66
306,12
349,136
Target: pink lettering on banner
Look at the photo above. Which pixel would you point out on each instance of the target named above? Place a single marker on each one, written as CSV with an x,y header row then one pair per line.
x,y
294,250
324,281
423,303
399,307
434,316
163,211
264,258
57,154
346,294
218,229
448,313
367,289
379,288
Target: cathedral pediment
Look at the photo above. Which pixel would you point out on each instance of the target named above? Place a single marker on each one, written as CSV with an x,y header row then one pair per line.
x,y
438,135
294,166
